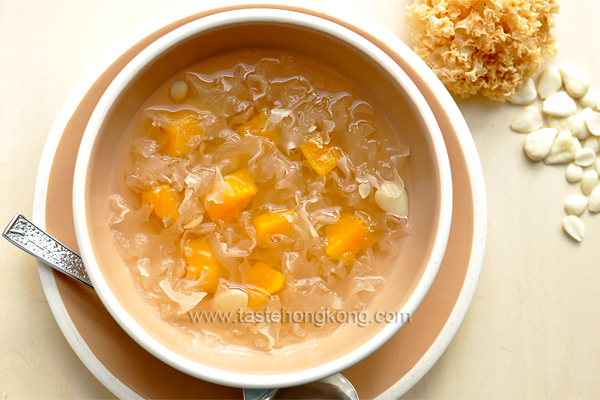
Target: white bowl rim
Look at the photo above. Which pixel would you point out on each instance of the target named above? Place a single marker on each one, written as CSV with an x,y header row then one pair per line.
x,y
125,320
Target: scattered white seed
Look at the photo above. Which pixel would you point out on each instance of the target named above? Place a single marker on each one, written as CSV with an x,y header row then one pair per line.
x,y
585,157
574,227
589,181
590,98
597,165
528,120
549,83
561,124
576,80
580,128
559,105
592,120
592,143
390,199
576,204
230,300
564,149
194,223
178,90
537,144
573,173
526,95
594,200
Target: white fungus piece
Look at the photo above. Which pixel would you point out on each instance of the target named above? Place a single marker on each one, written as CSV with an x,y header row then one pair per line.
x,y
528,120
574,227
559,105
561,124
589,181
564,149
178,91
576,204
576,80
590,98
537,144
592,143
580,128
526,95
592,120
549,83
573,173
594,200
585,157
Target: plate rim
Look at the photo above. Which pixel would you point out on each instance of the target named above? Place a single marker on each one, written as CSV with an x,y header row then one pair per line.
x,y
81,88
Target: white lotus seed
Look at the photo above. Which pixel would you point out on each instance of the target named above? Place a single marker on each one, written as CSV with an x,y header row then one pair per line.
x,y
178,91
528,120
589,181
561,124
549,83
559,105
392,200
526,95
594,200
592,120
230,299
585,157
537,145
574,227
564,149
573,173
592,143
580,128
590,98
576,80
576,204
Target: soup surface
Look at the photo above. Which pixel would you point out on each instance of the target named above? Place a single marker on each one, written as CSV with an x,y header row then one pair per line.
x,y
257,189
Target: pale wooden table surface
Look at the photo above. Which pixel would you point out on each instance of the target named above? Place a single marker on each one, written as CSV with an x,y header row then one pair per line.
x,y
533,328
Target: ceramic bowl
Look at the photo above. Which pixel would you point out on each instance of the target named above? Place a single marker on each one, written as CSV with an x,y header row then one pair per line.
x,y
409,276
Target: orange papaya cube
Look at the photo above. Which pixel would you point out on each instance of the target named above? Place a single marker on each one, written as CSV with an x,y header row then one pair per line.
x,y
203,265
183,134
234,201
321,157
256,126
273,223
163,200
347,237
264,277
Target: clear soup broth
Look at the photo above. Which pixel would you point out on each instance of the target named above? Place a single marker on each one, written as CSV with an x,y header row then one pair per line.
x,y
257,189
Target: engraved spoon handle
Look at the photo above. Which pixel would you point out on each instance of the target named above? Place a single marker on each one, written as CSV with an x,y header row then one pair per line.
x,y
25,235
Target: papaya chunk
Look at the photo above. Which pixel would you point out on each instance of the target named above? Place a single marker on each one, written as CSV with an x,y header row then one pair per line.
x,y
256,126
273,223
183,134
234,201
264,277
321,157
203,265
347,237
164,201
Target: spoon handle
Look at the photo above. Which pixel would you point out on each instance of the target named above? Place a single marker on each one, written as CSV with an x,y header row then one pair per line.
x,y
25,235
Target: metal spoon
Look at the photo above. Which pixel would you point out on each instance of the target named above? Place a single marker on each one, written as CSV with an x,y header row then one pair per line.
x,y
25,235
334,387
